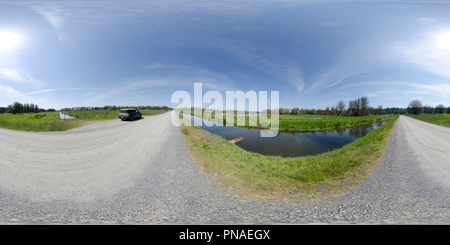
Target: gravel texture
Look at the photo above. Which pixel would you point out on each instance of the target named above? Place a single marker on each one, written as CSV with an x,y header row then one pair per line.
x,y
140,172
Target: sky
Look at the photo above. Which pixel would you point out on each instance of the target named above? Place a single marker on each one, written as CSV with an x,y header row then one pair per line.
x,y
59,54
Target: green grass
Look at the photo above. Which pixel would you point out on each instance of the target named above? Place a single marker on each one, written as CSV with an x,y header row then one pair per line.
x,y
439,119
302,122
39,122
260,176
51,121
105,114
297,123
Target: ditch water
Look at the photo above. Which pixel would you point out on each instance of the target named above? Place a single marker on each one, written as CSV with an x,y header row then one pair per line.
x,y
291,144
64,116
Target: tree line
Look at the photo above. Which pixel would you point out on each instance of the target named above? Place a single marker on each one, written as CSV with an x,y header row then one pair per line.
x,y
18,107
114,108
415,107
357,107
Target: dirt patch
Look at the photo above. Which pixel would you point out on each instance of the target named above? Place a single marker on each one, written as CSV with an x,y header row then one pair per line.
x,y
207,138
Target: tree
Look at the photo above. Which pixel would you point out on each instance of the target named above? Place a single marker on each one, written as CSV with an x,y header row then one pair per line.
x,y
380,110
364,104
18,107
415,107
295,111
439,109
341,107
333,111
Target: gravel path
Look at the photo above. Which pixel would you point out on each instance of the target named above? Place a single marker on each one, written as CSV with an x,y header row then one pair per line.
x,y
140,172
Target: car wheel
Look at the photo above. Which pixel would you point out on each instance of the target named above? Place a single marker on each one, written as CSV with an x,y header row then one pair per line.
x,y
132,118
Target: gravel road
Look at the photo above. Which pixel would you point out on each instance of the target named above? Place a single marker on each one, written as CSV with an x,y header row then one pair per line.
x,y
140,172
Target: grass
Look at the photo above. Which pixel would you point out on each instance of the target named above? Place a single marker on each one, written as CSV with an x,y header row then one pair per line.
x,y
257,176
51,121
106,115
439,119
296,123
314,122
38,122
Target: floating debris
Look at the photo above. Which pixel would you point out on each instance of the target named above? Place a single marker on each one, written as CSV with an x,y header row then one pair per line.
x,y
234,141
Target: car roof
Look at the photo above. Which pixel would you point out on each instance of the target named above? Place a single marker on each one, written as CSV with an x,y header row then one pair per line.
x,y
128,109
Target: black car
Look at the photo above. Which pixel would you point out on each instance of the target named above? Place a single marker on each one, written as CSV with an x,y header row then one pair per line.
x,y
129,114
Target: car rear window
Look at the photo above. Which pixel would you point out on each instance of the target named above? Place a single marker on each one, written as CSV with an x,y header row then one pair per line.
x,y
124,111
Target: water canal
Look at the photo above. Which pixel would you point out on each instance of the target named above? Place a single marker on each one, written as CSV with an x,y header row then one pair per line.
x,y
291,144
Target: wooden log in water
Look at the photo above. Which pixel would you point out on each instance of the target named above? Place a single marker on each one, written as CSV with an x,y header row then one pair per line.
x,y
234,141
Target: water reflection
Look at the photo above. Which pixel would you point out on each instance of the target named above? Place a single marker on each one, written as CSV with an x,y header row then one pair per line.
x,y
64,116
291,144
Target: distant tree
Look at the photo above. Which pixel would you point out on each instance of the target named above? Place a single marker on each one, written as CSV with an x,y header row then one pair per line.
x,y
295,111
439,109
380,110
354,107
357,106
18,107
448,110
364,104
287,111
415,107
333,111
341,107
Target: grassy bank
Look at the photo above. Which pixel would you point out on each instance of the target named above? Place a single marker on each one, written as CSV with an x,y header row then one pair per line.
x,y
310,122
106,115
439,119
51,121
38,122
296,123
258,176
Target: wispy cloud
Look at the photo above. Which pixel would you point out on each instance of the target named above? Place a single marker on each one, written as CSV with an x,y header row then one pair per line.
x,y
8,94
13,43
178,77
56,16
427,54
50,90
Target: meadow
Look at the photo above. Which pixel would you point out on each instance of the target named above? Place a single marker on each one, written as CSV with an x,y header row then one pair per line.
x,y
106,114
51,121
258,176
439,119
296,123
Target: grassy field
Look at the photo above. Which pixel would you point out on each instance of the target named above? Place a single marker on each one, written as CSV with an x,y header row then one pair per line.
x,y
258,176
439,119
51,121
297,123
106,115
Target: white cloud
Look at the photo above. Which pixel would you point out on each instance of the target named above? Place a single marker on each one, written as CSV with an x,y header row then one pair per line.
x,y
10,73
429,54
56,16
179,77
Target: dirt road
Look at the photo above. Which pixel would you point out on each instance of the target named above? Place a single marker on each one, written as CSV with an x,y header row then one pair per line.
x,y
140,172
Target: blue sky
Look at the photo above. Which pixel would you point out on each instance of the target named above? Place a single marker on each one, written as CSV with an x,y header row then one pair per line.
x,y
90,53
